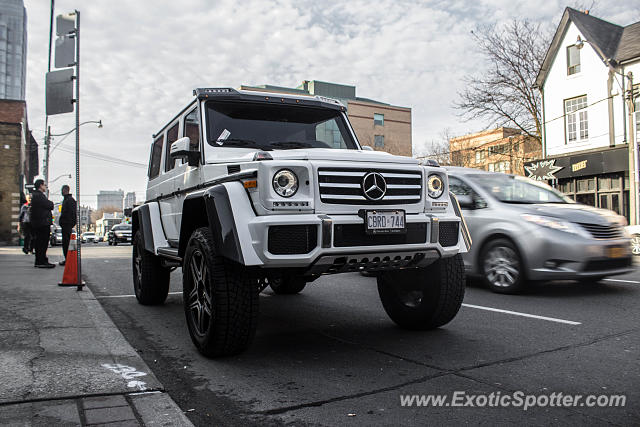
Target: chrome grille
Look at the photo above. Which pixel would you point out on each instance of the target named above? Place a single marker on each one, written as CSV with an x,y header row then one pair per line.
x,y
603,231
344,186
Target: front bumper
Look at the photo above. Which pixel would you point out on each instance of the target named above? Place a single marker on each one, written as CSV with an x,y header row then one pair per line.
x,y
122,239
579,258
337,243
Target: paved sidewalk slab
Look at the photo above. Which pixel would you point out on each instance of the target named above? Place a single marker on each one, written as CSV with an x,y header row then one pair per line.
x,y
63,359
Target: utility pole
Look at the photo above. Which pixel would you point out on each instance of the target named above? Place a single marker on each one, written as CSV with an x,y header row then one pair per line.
x,y
634,173
77,101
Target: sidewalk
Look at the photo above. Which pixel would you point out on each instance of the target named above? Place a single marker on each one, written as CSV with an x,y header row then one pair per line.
x,y
64,362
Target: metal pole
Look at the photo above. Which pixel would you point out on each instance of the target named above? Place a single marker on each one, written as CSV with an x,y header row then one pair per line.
x,y
79,226
47,137
633,143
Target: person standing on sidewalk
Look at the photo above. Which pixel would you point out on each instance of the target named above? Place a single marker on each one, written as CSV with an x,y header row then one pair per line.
x,y
24,226
67,220
41,208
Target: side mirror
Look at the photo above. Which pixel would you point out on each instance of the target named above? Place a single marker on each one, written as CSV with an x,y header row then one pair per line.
x,y
182,148
466,201
366,148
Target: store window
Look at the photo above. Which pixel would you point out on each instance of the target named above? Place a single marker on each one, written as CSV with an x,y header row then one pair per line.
x,y
378,119
577,123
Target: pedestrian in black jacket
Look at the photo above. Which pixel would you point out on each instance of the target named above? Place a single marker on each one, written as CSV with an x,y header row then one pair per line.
x,y
41,208
24,226
67,220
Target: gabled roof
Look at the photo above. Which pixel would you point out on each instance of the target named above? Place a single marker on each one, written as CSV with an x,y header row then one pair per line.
x,y
629,47
610,41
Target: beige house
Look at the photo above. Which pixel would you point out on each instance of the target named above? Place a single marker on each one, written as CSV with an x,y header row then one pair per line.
x,y
381,126
496,150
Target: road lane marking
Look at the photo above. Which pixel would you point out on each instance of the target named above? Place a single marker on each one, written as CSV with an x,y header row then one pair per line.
x,y
130,296
517,313
620,280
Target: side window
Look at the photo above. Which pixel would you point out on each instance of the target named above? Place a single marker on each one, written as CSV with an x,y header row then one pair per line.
x,y
156,156
460,188
172,136
191,129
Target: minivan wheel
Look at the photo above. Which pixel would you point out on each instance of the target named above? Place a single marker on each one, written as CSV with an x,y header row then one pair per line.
x,y
502,267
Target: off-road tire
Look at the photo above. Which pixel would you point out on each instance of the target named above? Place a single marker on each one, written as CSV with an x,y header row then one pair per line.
x,y
231,292
150,278
436,292
508,247
287,285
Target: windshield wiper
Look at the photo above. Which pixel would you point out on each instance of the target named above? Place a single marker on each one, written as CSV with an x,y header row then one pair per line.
x,y
237,142
290,144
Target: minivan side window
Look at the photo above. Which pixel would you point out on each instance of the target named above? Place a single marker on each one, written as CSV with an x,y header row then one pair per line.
x,y
191,129
156,156
172,136
461,188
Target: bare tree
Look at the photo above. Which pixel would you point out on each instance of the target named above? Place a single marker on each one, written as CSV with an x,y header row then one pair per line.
x,y
505,92
438,149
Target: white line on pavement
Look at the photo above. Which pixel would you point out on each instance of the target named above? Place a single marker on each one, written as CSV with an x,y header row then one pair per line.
x,y
130,296
620,280
516,313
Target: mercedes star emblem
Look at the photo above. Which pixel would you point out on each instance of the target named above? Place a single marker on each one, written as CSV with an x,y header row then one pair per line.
x,y
374,186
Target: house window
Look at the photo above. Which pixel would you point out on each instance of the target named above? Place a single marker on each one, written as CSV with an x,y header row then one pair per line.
x,y
480,156
573,60
378,140
499,149
378,119
577,124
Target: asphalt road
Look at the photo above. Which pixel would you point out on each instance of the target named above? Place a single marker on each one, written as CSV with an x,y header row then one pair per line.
x,y
330,356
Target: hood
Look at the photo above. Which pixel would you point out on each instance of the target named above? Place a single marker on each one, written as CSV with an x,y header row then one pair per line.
x,y
330,154
575,212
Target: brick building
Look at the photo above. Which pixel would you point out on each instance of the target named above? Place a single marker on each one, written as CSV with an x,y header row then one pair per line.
x,y
381,126
496,150
18,165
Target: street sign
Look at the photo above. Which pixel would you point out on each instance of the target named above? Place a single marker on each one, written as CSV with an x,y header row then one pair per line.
x,y
59,97
65,52
65,24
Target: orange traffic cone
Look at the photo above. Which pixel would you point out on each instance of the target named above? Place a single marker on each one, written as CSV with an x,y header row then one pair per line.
x,y
70,275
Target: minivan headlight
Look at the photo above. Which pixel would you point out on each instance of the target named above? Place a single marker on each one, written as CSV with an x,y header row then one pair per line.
x,y
554,223
285,183
435,186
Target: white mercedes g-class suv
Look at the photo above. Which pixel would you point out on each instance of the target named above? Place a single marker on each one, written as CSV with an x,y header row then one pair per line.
x,y
249,190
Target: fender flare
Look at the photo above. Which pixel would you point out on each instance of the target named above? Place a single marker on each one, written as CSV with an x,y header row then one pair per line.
x,y
141,220
211,208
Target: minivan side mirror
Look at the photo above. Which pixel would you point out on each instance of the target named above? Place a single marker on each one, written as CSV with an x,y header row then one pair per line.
x,y
466,201
182,148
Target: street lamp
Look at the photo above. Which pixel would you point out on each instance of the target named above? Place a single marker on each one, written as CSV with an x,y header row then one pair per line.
x,y
47,143
68,175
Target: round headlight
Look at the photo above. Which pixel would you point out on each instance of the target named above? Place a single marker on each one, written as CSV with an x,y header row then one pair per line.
x,y
435,186
285,183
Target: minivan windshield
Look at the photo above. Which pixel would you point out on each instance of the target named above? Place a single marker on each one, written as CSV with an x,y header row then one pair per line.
x,y
518,189
275,127
122,227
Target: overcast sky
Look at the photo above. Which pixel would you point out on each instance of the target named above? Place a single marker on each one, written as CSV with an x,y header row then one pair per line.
x,y
141,59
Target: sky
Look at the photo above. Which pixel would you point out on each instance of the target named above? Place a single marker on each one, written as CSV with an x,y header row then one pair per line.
x,y
140,61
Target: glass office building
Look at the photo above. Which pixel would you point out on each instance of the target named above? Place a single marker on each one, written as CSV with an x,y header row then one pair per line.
x,y
13,49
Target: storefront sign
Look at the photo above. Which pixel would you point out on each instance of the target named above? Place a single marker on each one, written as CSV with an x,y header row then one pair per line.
x,y
578,166
609,160
542,170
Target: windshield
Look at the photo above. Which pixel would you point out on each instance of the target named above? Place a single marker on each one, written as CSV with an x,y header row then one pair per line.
x,y
518,189
89,233
275,127
122,227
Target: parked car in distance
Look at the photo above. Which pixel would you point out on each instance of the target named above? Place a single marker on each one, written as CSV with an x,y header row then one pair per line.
x,y
524,230
633,231
55,237
119,233
89,237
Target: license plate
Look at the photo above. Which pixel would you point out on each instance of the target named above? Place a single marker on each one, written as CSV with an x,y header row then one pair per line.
x,y
380,222
616,252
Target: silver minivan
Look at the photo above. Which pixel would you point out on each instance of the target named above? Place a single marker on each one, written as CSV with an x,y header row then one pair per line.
x,y
523,230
